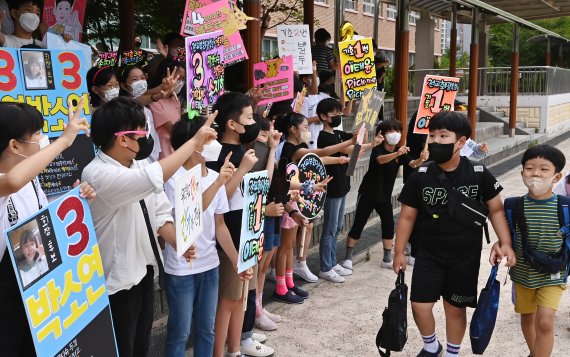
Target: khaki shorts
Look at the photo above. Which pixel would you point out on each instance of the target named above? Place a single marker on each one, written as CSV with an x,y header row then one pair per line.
x,y
527,300
231,286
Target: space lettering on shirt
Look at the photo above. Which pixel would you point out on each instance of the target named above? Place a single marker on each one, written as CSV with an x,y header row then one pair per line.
x,y
434,196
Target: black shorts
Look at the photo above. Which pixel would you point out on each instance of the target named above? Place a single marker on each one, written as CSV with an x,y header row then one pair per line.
x,y
454,279
364,207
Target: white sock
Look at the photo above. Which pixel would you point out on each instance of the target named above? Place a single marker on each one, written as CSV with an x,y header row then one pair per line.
x,y
430,343
452,350
247,342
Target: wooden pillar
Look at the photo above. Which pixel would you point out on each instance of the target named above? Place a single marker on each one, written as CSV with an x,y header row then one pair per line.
x,y
127,25
473,71
396,69
402,58
252,38
548,56
376,15
309,16
453,42
514,91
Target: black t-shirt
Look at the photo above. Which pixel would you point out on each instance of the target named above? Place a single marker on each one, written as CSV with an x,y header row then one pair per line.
x,y
290,149
231,218
340,184
378,182
434,230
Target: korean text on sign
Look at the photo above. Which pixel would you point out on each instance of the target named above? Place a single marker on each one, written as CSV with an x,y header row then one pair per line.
x,y
357,67
438,94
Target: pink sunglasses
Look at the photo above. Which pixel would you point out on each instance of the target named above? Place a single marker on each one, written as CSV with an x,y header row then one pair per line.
x,y
136,132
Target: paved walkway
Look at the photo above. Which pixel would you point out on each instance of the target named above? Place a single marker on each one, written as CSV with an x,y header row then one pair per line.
x,y
343,319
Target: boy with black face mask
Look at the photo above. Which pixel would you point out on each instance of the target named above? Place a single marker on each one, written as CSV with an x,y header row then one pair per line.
x,y
449,252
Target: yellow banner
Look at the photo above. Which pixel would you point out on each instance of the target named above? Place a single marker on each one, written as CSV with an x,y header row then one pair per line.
x,y
357,67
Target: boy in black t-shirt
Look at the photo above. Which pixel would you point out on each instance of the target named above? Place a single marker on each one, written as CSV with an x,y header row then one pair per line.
x,y
448,255
375,192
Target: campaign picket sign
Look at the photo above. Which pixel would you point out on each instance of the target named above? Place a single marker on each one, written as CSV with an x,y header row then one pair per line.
x,y
133,57
205,69
47,80
58,266
107,59
213,17
275,78
188,208
357,67
65,17
367,113
295,40
56,42
438,94
255,189
311,168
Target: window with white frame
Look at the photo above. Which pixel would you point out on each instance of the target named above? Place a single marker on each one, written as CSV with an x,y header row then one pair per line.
x,y
391,12
413,17
321,1
269,48
368,6
350,5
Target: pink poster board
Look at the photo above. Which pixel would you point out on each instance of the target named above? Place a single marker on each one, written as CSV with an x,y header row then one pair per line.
x,y
65,18
205,69
216,16
275,78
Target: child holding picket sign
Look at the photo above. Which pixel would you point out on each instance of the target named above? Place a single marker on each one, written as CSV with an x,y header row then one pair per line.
x,y
25,152
539,228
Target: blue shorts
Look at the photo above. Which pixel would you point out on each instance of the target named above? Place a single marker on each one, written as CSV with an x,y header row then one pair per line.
x,y
272,239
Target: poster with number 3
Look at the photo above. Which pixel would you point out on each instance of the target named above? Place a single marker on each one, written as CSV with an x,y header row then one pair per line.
x,y
58,265
188,208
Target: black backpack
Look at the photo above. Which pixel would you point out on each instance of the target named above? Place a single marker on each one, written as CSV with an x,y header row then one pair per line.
x,y
393,333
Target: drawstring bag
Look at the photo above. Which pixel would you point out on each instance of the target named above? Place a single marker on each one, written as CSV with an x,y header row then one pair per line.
x,y
485,315
393,333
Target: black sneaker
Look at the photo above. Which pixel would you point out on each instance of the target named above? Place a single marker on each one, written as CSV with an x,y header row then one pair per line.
x,y
299,292
288,298
438,353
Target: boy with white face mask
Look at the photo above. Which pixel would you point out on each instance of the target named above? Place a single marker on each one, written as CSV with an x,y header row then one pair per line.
x,y
26,17
385,161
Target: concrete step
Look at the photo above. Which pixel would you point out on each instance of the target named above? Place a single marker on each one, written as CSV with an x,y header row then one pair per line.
x,y
500,115
487,130
530,131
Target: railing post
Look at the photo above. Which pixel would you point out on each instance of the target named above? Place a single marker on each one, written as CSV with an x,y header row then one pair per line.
x,y
453,42
473,71
514,92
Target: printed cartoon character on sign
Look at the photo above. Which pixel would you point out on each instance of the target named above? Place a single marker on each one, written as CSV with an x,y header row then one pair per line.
x,y
273,67
67,20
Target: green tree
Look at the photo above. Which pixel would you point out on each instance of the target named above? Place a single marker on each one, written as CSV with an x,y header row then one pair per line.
x,y
462,59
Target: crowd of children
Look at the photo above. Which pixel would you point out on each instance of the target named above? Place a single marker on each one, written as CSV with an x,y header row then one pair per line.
x,y
145,140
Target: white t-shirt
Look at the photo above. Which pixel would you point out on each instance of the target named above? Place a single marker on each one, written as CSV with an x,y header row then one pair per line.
x,y
17,42
310,110
207,255
152,129
19,206
40,267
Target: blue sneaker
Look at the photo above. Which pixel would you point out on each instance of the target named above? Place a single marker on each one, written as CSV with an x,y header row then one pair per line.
x,y
299,292
438,353
288,298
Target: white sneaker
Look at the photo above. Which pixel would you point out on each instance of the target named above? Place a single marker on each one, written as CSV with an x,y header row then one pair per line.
x,y
331,276
387,265
256,349
264,323
270,275
273,317
301,269
259,337
347,264
342,271
411,260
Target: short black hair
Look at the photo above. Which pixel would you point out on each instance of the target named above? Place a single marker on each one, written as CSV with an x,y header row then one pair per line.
x,y
386,125
229,105
124,73
162,70
280,109
119,114
17,4
451,121
289,120
98,77
322,35
327,106
184,130
264,123
18,121
171,37
547,152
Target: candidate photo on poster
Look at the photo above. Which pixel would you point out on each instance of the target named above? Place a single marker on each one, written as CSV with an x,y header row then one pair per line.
x,y
35,73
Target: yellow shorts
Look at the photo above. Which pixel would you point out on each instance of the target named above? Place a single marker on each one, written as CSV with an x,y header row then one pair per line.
x,y
527,300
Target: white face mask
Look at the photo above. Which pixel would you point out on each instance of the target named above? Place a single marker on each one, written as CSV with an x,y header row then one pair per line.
x,y
29,21
538,186
178,87
211,151
43,143
110,94
393,138
139,88
305,137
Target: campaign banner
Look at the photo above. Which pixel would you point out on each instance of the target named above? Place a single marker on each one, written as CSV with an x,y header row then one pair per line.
x,y
438,94
48,80
214,17
196,4
133,57
65,17
311,168
275,78
368,109
255,189
188,208
357,67
295,40
107,59
204,69
60,275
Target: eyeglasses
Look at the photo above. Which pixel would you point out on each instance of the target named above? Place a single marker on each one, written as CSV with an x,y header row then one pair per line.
x,y
134,132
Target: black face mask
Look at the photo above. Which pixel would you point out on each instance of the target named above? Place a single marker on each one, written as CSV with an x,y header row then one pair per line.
x,y
250,134
146,145
441,153
336,120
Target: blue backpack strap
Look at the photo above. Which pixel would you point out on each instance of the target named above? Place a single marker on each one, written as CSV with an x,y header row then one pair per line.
x,y
563,221
511,210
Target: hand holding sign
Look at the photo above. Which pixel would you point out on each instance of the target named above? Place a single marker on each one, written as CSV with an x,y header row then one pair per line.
x,y
190,253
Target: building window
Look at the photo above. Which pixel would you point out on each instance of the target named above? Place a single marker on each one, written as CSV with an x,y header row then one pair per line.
x,y
368,6
413,17
391,12
350,5
445,35
321,1
269,48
